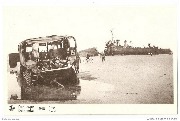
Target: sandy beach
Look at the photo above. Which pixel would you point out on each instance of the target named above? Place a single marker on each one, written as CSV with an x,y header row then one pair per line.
x,y
130,79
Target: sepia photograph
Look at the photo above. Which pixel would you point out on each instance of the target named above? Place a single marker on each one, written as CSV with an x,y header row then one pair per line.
x,y
81,54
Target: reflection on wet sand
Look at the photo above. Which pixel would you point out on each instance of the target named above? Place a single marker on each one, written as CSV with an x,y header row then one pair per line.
x,y
89,92
86,76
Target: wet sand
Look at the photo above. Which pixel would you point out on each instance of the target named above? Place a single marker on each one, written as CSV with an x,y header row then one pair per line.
x,y
130,79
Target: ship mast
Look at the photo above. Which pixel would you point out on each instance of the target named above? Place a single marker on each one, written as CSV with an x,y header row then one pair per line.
x,y
112,35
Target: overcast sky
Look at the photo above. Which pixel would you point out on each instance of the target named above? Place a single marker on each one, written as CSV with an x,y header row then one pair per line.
x,y
91,25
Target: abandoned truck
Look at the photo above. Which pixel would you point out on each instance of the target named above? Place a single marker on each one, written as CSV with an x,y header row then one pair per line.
x,y
47,68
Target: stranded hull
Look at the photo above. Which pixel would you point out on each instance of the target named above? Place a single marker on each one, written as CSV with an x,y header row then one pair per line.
x,y
136,51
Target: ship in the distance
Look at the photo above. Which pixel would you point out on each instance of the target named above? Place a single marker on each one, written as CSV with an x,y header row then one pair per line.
x,y
113,47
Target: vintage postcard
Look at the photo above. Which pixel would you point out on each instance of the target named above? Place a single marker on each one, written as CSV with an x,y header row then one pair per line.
x,y
90,58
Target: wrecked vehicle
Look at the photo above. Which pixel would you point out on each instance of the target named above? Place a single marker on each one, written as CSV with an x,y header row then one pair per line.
x,y
47,68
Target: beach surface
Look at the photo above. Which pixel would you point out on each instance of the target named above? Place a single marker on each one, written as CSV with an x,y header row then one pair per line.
x,y
129,79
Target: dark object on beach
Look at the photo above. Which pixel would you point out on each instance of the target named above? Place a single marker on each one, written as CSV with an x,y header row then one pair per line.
x,y
14,97
13,59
